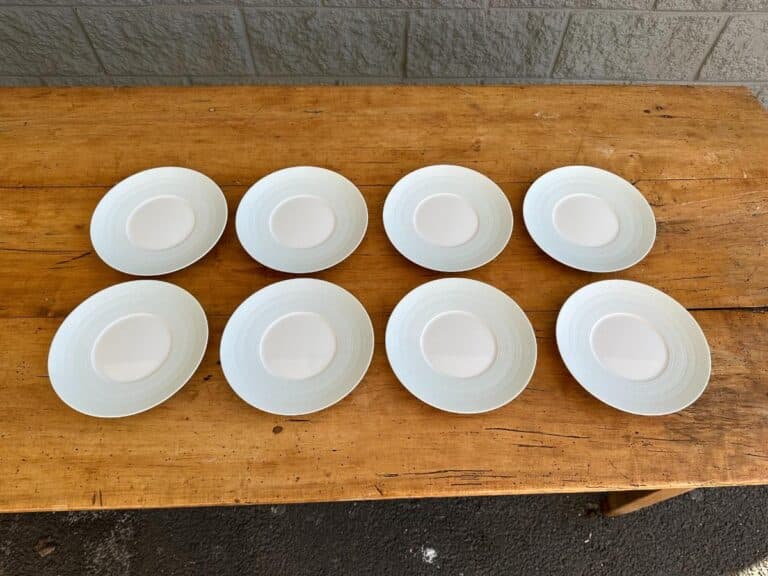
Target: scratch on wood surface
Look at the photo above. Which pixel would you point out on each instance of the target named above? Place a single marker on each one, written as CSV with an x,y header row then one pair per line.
x,y
761,456
434,472
694,179
578,151
619,472
378,490
36,251
701,277
537,432
462,90
742,309
465,478
533,445
683,440
83,255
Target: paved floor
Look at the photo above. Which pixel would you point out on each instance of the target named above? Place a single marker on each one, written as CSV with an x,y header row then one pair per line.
x,y
715,532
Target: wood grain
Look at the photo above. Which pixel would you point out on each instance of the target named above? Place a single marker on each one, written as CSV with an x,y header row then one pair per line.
x,y
698,155
373,135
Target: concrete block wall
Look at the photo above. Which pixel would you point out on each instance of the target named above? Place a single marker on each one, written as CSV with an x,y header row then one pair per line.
x,y
140,42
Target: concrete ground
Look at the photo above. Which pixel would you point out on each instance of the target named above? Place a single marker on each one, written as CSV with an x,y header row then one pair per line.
x,y
706,532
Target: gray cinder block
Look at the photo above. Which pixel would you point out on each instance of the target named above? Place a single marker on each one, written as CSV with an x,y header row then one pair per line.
x,y
626,46
37,41
168,40
344,42
741,52
496,43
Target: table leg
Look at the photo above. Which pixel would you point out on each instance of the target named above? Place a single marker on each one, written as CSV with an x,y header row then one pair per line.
x,y
618,503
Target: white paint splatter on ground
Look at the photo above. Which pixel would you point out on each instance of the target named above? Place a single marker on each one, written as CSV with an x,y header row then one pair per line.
x,y
428,555
72,518
112,554
759,568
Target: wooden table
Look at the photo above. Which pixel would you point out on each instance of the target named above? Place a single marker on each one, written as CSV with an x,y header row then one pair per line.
x,y
700,156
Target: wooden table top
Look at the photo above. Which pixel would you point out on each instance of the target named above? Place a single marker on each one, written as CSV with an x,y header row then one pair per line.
x,y
700,156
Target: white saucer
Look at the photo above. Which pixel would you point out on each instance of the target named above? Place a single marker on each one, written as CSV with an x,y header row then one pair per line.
x,y
589,219
302,219
158,221
297,346
448,218
127,348
461,345
633,347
